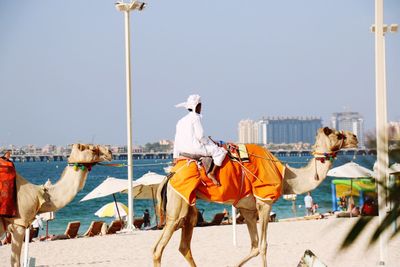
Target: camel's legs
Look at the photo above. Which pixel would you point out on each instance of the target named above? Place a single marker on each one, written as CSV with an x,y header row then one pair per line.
x,y
177,210
187,232
17,233
264,209
169,229
250,217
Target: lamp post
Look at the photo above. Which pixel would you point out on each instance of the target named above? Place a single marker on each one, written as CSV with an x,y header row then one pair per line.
x,y
126,8
381,119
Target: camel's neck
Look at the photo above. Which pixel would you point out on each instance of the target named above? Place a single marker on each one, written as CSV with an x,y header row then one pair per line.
x,y
302,180
64,191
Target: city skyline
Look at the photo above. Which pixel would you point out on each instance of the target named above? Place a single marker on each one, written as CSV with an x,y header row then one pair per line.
x,y
62,66
331,122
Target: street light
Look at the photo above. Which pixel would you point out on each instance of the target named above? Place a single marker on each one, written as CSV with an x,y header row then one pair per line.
x,y
126,8
381,118
121,6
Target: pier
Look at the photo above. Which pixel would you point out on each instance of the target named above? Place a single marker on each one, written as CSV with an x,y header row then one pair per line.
x,y
168,155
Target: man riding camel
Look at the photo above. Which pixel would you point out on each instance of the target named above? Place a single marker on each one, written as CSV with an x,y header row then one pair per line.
x,y
190,139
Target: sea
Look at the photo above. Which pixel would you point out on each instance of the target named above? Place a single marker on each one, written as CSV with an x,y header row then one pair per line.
x,y
39,172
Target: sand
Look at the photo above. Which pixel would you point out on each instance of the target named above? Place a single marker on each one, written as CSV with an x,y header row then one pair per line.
x,y
212,246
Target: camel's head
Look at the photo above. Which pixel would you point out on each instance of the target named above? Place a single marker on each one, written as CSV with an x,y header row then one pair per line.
x,y
331,140
81,153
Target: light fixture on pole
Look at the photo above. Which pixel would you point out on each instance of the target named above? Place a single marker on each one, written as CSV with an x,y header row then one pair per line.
x,y
382,146
126,8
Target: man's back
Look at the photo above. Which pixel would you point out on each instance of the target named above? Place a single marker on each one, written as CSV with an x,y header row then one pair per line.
x,y
188,135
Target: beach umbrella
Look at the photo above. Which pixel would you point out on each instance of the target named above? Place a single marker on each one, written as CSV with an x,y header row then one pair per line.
x,y
352,171
112,209
108,187
146,187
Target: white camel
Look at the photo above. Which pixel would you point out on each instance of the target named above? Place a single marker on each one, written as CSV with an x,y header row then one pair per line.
x,y
179,214
33,199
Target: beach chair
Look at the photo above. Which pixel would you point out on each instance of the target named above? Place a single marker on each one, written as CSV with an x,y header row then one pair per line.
x,y
138,222
218,217
70,232
32,232
114,227
94,229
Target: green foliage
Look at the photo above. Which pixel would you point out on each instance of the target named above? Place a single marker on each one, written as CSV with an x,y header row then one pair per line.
x,y
390,218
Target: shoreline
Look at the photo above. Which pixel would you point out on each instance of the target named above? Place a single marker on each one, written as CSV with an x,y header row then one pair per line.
x,y
212,246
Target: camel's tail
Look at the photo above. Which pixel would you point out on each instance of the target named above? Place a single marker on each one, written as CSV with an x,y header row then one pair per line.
x,y
162,198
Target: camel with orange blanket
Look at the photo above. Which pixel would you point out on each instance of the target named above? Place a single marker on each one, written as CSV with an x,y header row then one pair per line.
x,y
252,187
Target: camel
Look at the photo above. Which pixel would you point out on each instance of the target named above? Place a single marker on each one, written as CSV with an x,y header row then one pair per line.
x,y
180,214
33,199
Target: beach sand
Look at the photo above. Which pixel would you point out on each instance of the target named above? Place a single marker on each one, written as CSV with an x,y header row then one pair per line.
x,y
212,246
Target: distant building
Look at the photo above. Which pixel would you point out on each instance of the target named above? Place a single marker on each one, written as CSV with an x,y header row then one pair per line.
x,y
49,149
32,149
350,121
289,130
165,142
248,131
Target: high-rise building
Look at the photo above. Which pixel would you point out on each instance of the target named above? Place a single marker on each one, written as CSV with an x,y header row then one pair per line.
x,y
285,129
350,121
248,131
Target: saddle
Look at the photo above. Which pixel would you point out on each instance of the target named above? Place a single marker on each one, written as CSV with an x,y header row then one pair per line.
x,y
235,153
205,161
8,196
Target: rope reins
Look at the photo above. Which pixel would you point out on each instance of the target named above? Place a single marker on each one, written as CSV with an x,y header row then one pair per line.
x,y
119,165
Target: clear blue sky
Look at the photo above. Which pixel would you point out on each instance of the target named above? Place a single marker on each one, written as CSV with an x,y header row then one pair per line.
x,y
62,69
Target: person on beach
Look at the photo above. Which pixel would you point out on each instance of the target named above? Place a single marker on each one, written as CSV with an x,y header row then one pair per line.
x,y
343,203
190,138
314,208
146,218
226,218
308,203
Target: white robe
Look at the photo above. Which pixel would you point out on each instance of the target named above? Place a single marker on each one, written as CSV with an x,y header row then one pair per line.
x,y
189,138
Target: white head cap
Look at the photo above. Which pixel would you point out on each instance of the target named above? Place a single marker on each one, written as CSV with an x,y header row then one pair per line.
x,y
191,102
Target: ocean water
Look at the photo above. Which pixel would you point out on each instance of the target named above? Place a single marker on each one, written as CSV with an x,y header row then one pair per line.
x,y
39,172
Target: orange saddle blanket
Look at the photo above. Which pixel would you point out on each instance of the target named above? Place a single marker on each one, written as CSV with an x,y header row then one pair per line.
x,y
261,176
8,206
